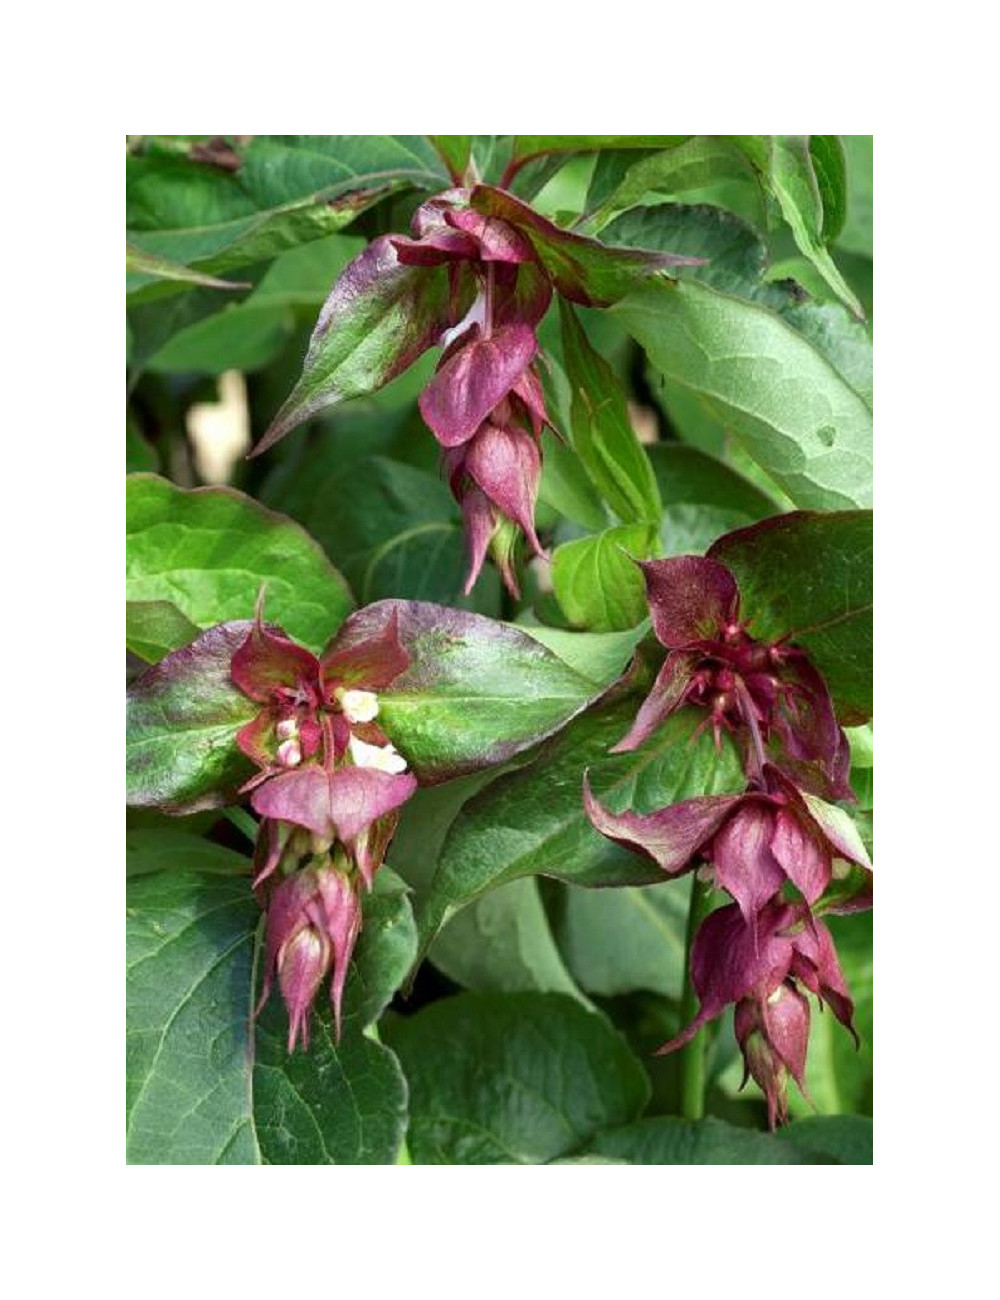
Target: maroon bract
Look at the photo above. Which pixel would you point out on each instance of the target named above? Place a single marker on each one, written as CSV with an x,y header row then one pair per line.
x,y
312,707
313,921
767,694
773,1034
755,841
760,969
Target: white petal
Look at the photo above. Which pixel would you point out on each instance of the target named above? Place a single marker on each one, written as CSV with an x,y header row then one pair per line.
x,y
384,758
359,706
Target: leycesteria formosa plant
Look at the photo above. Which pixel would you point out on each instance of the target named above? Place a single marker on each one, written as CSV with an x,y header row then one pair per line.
x,y
348,664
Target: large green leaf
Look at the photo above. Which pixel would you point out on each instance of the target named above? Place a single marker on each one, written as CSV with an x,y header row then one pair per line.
x,y
597,582
603,436
155,627
704,497
476,691
513,1079
181,717
845,1139
619,941
287,190
795,415
736,261
395,531
502,943
809,577
206,1084
207,553
532,822
668,1141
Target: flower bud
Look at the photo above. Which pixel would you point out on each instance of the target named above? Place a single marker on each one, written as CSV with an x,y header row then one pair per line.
x,y
289,753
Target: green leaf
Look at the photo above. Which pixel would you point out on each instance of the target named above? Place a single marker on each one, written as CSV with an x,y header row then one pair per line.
x,y
601,656
736,262
795,415
396,530
139,266
456,150
385,950
247,335
603,436
696,163
527,146
856,236
618,941
597,582
155,627
476,691
181,717
201,1088
288,190
845,1139
189,954
787,170
826,153
171,848
532,822
208,552
668,1141
566,487
502,943
809,577
704,497
514,1079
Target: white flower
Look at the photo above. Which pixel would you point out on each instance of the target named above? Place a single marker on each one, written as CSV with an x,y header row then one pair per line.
x,y
358,706
289,753
384,758
288,729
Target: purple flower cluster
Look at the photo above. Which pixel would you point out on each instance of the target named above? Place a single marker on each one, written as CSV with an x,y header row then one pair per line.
x,y
776,847
328,789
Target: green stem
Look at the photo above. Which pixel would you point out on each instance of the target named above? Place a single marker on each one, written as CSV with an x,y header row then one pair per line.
x,y
693,1055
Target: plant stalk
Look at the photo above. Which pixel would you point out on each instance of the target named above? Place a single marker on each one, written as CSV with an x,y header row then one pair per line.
x,y
693,1062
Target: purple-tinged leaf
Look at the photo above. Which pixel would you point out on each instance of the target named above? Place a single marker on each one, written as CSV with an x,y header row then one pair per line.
x,y
743,861
436,249
690,598
474,380
583,270
182,717
520,293
475,693
379,318
497,240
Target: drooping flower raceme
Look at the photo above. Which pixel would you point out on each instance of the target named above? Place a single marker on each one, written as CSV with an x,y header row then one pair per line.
x,y
776,848
475,276
328,790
